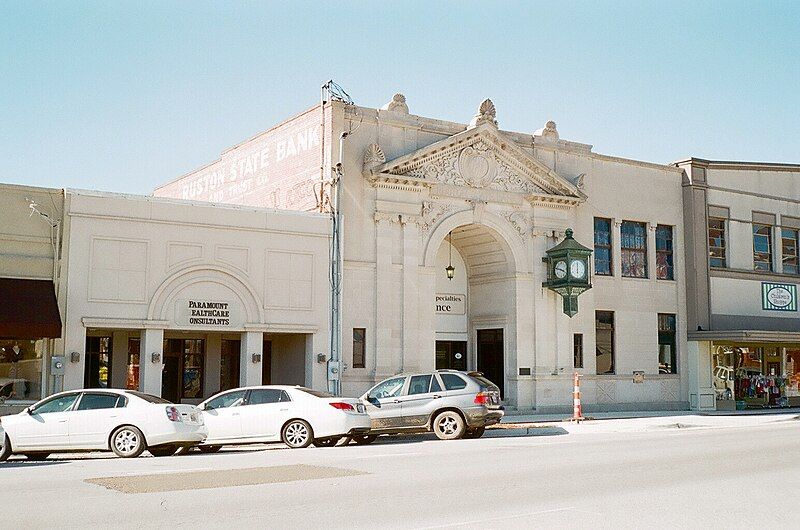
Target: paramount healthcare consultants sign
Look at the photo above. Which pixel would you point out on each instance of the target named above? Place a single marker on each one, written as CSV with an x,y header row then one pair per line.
x,y
216,313
778,296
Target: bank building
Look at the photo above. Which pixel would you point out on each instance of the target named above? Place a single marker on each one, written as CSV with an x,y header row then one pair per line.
x,y
522,255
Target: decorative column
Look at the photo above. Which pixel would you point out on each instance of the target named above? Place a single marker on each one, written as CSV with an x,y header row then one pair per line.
x,y
385,354
151,361
74,357
251,358
411,347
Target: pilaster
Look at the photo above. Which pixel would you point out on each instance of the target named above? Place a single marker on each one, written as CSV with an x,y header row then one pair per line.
x,y
252,347
151,361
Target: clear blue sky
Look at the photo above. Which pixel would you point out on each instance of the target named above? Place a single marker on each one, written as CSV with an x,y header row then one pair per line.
x,y
125,95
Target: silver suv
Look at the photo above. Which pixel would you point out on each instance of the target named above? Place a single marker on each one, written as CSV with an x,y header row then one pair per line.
x,y
450,403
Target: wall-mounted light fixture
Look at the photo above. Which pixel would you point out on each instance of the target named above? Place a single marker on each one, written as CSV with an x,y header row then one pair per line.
x,y
75,357
155,357
321,358
450,270
256,357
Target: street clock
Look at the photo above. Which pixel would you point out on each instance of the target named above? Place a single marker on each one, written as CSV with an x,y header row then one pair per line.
x,y
568,271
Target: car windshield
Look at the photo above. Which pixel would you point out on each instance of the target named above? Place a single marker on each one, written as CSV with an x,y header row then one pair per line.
x,y
388,388
56,404
229,399
149,398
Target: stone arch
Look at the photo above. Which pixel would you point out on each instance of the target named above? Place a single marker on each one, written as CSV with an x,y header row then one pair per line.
x,y
165,294
509,238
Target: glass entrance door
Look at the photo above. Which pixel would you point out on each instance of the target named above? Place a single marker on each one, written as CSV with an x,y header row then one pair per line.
x,y
98,362
451,355
229,364
182,376
490,356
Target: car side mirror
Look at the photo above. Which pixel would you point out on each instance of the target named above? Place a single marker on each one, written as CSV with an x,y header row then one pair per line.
x,y
373,400
204,406
28,411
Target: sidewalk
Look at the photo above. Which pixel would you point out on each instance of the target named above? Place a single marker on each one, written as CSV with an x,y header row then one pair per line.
x,y
641,421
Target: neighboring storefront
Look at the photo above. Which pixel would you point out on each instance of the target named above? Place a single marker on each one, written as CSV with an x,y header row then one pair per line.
x,y
30,320
743,235
182,299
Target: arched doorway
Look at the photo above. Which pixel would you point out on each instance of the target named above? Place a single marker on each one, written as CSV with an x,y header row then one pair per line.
x,y
475,310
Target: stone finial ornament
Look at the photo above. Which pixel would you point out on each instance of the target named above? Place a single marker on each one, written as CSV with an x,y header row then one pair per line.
x,y
397,104
548,132
373,157
486,114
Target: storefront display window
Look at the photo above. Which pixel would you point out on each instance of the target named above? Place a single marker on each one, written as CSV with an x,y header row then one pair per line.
x,y
756,376
21,368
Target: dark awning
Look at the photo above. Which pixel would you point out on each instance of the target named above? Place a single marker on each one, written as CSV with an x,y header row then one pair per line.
x,y
28,309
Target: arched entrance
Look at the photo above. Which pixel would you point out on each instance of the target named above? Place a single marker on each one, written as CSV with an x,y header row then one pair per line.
x,y
475,320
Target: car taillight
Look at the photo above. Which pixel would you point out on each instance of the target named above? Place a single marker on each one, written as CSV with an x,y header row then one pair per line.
x,y
342,406
173,414
482,398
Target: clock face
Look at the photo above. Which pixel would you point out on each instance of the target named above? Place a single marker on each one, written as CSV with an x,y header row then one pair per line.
x,y
577,269
560,269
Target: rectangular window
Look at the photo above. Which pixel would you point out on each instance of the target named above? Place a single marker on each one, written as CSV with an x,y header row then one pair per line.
x,y
762,247
602,246
359,342
667,352
789,242
665,265
21,368
633,242
716,242
577,350
604,341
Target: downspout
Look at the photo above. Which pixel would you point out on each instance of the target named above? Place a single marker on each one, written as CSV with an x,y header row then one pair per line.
x,y
335,368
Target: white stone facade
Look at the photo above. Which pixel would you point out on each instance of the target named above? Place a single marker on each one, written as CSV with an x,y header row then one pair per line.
x,y
409,182
141,271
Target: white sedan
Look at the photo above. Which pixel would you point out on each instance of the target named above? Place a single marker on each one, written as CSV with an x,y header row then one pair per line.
x,y
122,421
294,415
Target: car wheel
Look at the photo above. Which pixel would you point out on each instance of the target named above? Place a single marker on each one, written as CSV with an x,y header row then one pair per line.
x,y
297,434
326,442
127,442
209,448
163,450
365,439
477,432
36,456
5,448
449,425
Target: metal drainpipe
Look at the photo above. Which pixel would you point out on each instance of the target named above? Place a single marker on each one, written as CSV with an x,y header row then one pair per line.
x,y
336,275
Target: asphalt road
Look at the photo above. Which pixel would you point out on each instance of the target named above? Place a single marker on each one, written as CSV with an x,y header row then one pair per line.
x,y
667,477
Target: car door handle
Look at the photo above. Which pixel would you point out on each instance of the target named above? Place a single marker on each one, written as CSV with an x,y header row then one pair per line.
x,y
436,396
284,410
396,401
62,421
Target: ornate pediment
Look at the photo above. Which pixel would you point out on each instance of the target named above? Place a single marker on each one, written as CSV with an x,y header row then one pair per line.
x,y
480,157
